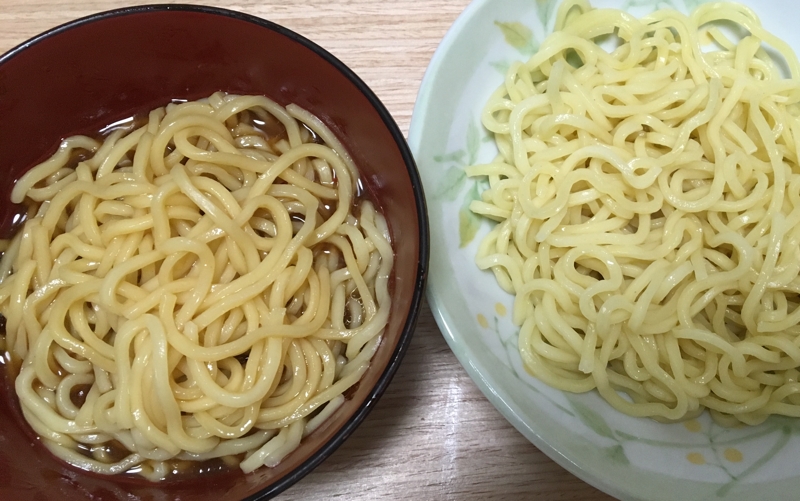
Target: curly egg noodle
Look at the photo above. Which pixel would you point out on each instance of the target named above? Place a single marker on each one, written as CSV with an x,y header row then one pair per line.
x,y
206,285
648,206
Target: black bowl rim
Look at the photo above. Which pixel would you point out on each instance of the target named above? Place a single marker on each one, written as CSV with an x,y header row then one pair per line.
x,y
374,395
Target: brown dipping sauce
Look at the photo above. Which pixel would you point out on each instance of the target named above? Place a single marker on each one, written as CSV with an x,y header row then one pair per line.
x,y
272,131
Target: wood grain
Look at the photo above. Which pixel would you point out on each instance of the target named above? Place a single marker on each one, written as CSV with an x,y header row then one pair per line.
x,y
433,435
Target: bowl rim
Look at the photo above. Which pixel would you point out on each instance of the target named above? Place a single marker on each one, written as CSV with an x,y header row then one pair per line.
x,y
420,279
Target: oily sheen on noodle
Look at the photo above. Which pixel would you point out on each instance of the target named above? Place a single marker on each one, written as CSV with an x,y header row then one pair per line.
x,y
648,205
204,284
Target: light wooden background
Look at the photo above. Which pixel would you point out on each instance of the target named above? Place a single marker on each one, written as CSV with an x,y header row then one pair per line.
x,y
433,435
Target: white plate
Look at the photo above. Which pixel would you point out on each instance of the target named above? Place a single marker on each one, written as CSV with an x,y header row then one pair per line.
x,y
626,457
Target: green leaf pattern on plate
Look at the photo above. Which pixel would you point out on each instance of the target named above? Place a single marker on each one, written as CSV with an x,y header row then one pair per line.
x,y
473,142
502,67
454,179
546,8
468,221
592,419
521,37
616,453
518,36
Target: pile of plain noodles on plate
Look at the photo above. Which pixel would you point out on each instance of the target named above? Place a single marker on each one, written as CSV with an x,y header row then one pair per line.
x,y
647,199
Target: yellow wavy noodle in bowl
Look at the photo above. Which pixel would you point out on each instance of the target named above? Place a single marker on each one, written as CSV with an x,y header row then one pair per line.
x,y
647,195
204,284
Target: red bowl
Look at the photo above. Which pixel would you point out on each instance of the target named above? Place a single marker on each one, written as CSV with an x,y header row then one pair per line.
x,y
91,72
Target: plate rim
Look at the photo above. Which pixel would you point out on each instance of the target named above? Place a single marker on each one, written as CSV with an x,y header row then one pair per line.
x,y
501,398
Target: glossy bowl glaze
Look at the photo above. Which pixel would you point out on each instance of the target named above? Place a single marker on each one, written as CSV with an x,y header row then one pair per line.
x,y
92,72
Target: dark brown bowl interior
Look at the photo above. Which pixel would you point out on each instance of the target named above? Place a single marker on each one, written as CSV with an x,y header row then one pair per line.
x,y
89,73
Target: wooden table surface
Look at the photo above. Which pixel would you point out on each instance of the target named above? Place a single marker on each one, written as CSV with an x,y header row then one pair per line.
x,y
433,435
